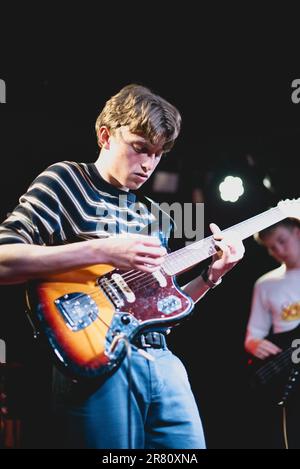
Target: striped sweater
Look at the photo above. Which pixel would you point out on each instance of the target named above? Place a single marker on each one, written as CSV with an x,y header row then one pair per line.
x,y
70,202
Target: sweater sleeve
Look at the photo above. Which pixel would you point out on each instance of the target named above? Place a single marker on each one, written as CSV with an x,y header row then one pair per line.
x,y
37,216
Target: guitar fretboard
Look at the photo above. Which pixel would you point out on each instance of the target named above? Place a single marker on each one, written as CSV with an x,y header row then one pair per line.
x,y
185,258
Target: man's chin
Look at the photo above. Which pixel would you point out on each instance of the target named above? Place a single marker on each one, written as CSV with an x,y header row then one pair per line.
x,y
133,185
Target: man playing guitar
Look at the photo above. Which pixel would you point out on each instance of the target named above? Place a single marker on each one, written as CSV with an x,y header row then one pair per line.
x,y
78,215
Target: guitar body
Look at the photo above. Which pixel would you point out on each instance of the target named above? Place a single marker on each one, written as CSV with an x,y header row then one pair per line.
x,y
85,314
276,376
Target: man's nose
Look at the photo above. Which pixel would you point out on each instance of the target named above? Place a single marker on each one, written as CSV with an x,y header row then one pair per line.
x,y
148,164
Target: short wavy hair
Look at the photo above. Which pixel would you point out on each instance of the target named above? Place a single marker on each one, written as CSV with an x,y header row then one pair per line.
x,y
144,113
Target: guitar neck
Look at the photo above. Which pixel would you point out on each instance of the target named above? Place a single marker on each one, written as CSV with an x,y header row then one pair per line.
x,y
185,258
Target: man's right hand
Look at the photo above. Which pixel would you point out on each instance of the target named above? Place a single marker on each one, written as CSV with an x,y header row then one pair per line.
x,y
263,348
134,251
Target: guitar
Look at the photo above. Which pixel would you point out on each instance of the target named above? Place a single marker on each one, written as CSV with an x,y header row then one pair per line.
x,y
277,375
87,315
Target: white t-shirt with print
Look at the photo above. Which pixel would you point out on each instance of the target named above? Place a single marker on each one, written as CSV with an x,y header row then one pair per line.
x,y
275,302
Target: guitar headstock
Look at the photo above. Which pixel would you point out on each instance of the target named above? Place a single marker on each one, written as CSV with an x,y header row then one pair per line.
x,y
290,207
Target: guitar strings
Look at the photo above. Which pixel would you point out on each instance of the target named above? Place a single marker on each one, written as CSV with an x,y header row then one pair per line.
x,y
140,285
270,368
274,366
96,293
132,275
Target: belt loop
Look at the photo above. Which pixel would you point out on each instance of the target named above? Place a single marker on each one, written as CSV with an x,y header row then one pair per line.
x,y
164,342
143,341
151,339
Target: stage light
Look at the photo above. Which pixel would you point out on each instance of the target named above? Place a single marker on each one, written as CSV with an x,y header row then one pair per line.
x,y
267,182
231,189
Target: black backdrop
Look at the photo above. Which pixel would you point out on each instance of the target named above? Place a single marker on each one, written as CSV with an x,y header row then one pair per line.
x,y
234,120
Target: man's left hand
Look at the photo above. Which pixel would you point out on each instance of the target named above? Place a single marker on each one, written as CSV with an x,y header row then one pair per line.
x,y
231,251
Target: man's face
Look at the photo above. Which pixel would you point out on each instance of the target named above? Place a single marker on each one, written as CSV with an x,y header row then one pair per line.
x,y
284,245
132,159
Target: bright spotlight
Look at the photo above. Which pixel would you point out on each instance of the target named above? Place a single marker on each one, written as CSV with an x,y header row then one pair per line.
x,y
231,189
267,182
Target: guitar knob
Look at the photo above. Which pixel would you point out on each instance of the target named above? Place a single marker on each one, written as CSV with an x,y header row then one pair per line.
x,y
125,319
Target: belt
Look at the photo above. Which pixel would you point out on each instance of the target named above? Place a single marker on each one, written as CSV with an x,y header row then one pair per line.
x,y
151,339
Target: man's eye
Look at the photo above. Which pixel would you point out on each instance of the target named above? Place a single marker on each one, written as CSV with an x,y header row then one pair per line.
x,y
145,150
138,149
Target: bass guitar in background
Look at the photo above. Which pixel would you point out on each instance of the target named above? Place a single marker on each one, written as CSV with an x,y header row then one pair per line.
x,y
278,376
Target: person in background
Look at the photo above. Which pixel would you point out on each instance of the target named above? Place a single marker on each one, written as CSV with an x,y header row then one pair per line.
x,y
276,310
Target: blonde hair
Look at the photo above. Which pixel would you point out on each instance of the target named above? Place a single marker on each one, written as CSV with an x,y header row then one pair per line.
x,y
144,113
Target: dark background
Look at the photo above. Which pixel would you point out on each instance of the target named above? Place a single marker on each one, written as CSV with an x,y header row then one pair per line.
x,y
238,118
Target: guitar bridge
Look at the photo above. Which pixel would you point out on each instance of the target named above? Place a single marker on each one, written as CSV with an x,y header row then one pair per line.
x,y
111,291
78,310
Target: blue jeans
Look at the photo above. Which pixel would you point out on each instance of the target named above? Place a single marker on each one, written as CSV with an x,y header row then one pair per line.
x,y
164,413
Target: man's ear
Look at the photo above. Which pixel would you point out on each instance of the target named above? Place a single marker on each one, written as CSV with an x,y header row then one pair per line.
x,y
297,230
104,137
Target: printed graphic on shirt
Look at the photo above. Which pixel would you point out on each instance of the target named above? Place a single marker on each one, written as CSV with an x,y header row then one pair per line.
x,y
291,312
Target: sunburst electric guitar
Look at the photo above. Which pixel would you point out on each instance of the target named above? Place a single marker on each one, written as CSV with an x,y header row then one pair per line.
x,y
87,314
